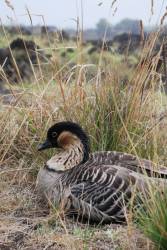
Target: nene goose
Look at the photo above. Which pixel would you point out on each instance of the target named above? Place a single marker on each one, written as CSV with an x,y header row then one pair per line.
x,y
95,186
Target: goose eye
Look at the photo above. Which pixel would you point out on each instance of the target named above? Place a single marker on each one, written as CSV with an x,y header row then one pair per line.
x,y
54,134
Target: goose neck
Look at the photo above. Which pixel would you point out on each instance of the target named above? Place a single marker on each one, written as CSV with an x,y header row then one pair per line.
x,y
68,158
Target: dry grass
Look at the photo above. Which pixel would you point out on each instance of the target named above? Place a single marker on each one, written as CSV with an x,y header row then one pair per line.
x,y
121,116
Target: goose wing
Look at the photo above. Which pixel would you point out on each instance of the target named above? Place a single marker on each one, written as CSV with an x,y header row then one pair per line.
x,y
130,162
104,194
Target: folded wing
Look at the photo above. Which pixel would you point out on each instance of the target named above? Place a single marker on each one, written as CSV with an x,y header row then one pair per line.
x,y
130,162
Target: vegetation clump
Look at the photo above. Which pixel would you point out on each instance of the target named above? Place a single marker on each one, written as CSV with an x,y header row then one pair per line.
x,y
122,108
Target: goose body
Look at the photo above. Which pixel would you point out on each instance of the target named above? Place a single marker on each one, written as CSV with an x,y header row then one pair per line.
x,y
97,186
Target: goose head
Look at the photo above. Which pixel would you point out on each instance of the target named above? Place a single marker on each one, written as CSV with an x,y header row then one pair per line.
x,y
73,143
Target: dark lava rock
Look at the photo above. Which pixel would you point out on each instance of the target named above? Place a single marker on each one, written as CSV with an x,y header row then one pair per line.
x,y
17,60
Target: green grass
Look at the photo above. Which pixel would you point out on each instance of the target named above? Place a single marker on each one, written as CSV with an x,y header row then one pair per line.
x,y
152,219
120,112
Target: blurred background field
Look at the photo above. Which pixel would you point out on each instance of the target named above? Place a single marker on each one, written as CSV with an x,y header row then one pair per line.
x,y
110,78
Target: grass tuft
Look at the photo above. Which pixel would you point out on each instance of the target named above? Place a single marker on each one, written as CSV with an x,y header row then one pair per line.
x,y
152,219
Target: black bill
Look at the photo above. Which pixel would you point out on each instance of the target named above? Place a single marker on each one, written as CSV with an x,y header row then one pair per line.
x,y
45,145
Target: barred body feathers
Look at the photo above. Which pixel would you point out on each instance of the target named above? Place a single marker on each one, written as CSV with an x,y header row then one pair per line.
x,y
96,186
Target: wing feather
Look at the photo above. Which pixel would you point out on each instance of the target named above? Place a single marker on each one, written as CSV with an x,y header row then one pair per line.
x,y
130,162
103,198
